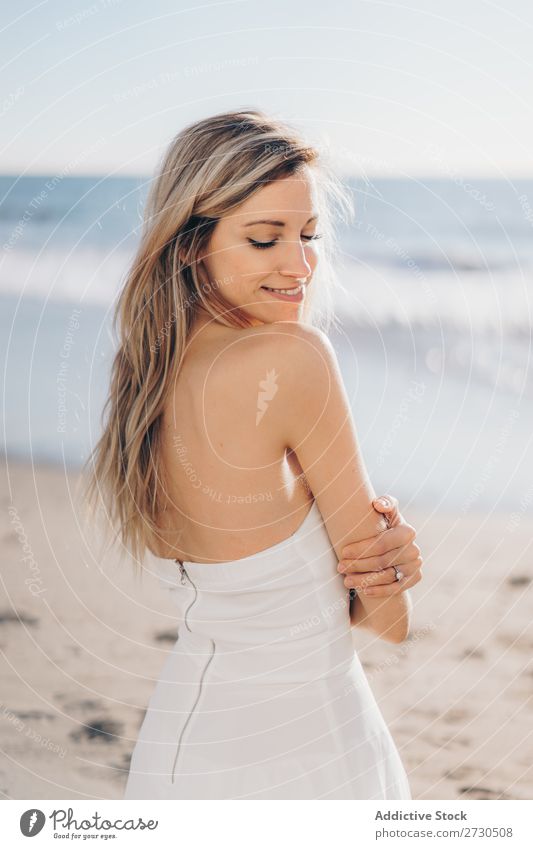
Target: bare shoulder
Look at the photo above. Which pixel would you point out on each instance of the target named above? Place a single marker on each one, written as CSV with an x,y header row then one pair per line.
x,y
306,369
290,347
270,374
294,332
262,377
246,380
312,416
298,360
295,346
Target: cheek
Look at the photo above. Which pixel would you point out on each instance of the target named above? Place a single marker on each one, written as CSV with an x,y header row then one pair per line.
x,y
248,262
226,264
312,256
239,269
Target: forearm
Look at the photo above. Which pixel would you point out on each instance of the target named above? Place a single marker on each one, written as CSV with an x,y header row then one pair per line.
x,y
388,618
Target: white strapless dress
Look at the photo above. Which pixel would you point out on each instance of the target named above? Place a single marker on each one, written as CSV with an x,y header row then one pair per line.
x,y
263,695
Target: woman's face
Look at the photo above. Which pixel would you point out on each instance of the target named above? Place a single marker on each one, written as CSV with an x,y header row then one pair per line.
x,y
268,241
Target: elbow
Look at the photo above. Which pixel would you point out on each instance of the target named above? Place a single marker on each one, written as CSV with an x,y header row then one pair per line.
x,y
397,638
400,631
397,630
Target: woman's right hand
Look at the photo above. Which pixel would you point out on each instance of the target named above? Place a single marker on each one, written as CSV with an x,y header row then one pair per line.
x,y
368,564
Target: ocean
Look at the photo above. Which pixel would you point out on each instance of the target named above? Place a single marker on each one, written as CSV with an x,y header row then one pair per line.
x,y
434,342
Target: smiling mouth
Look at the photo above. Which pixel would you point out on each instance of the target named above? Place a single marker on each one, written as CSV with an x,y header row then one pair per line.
x,y
287,291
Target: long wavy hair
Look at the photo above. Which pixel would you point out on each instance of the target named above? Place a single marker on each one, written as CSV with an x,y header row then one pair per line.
x,y
210,168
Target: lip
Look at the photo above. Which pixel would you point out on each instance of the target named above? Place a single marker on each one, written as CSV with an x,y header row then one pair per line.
x,y
292,299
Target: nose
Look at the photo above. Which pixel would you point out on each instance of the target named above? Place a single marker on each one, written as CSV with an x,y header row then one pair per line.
x,y
294,262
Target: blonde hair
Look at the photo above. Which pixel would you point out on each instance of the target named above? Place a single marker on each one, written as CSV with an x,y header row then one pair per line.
x,y
210,167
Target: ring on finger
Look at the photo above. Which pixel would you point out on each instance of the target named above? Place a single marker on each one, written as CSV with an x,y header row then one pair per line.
x,y
398,574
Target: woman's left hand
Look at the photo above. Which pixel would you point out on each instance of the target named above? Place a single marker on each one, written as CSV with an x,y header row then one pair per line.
x,y
368,564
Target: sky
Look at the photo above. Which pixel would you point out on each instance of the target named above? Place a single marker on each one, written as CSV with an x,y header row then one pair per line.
x,y
385,88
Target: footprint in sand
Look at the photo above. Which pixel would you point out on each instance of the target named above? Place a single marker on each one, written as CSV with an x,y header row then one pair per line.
x,y
477,654
8,616
83,704
122,768
455,715
482,793
514,642
518,580
166,636
459,773
106,730
34,714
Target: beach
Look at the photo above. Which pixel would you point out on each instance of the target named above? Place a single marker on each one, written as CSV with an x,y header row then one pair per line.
x,y
83,642
130,134
434,344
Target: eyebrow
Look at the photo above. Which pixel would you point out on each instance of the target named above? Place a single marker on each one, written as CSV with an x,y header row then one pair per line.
x,y
276,223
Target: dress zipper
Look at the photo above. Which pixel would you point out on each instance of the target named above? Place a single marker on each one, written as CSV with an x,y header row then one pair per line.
x,y
183,579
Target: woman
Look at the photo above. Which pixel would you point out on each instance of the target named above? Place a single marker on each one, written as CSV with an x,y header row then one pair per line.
x,y
229,448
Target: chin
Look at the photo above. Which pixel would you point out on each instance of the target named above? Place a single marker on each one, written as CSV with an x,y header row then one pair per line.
x,y
291,314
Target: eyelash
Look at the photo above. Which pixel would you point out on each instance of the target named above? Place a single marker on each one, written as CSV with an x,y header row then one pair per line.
x,y
263,245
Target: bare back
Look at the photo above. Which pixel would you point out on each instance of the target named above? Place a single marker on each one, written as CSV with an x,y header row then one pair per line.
x,y
233,487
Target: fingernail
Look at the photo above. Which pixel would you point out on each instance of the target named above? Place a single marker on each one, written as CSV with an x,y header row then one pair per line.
x,y
384,501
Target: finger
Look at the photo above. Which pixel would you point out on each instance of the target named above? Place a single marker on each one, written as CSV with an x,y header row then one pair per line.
x,y
395,519
370,547
386,541
384,576
385,503
394,557
388,510
394,588
370,579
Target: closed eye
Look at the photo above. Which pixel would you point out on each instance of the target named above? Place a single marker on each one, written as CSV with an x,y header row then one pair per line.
x,y
262,245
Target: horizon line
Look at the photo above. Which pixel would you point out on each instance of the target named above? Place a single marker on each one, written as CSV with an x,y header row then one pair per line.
x,y
378,175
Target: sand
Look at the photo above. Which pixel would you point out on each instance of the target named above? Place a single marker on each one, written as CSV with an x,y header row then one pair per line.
x,y
83,643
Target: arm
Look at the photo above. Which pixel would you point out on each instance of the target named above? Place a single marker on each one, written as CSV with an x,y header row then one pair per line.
x,y
360,616
313,412
395,547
